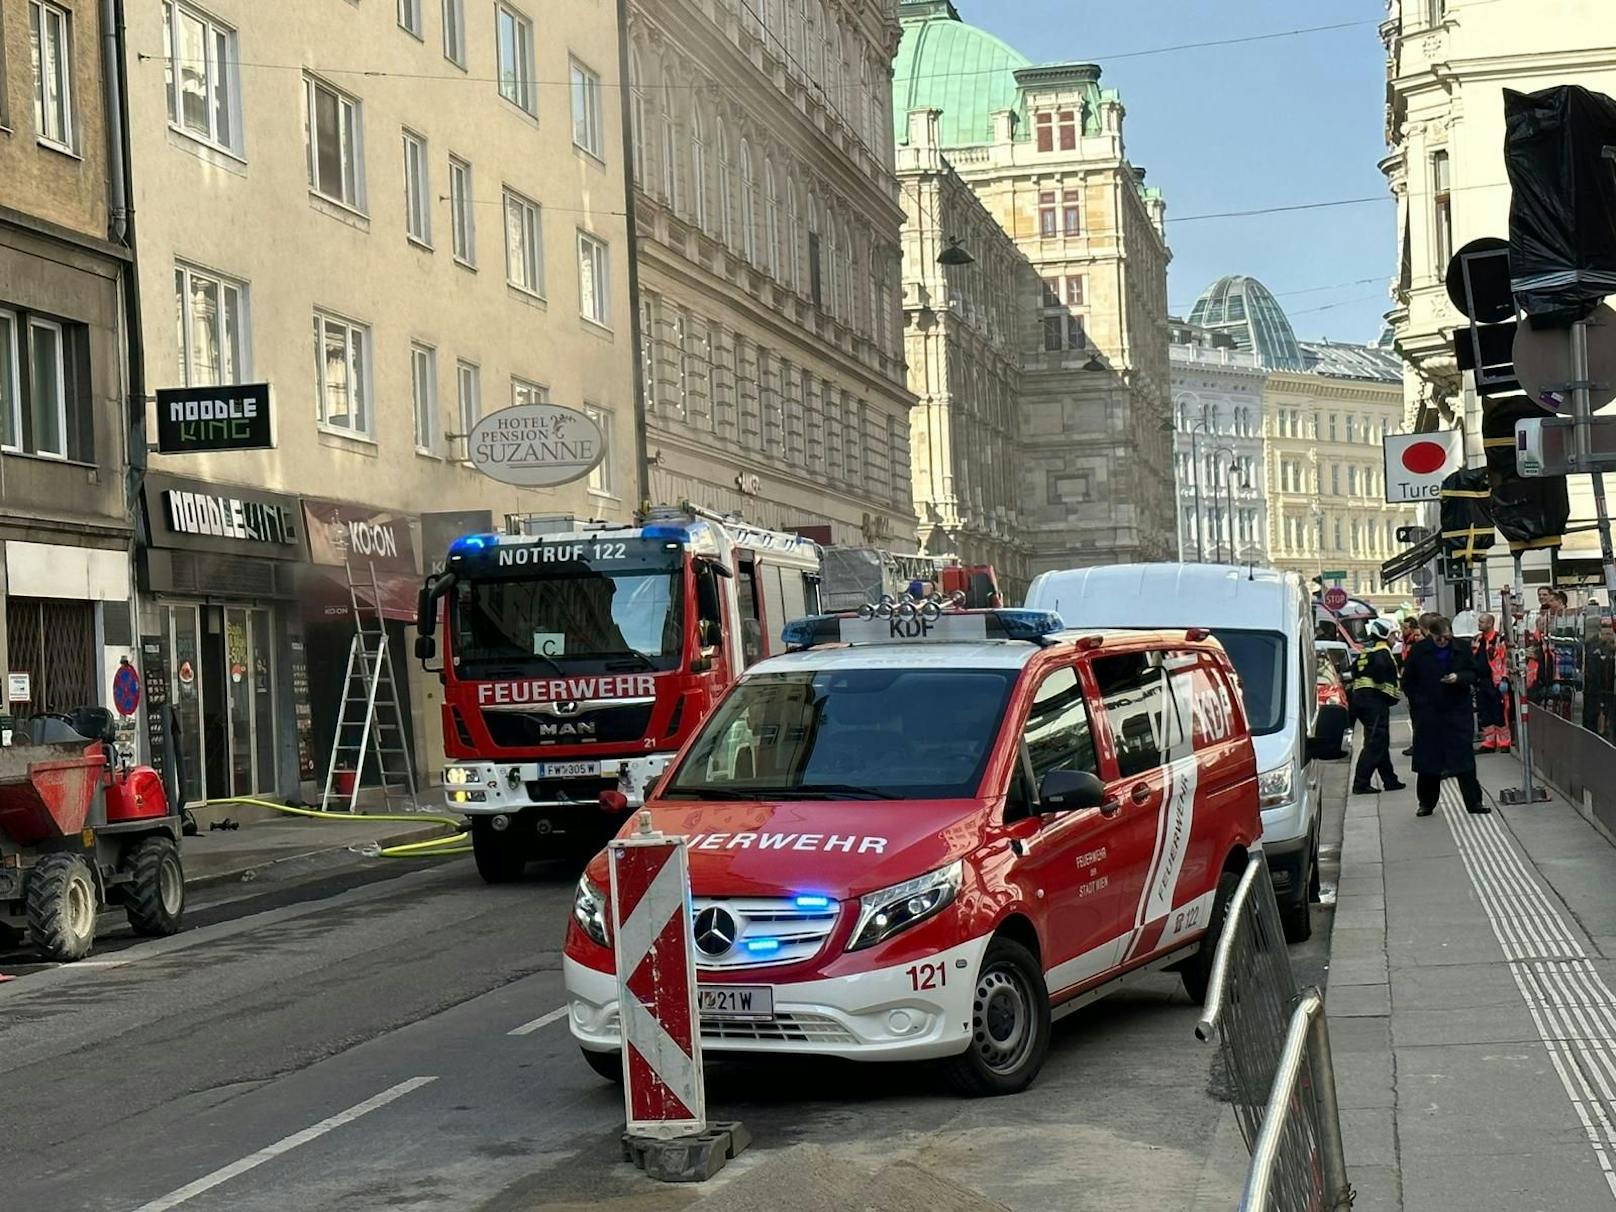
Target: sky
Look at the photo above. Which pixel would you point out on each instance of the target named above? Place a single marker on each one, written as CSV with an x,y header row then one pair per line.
x,y
1280,122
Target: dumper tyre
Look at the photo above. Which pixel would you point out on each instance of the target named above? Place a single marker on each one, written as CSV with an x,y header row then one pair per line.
x,y
605,1064
154,898
62,903
500,857
1010,1024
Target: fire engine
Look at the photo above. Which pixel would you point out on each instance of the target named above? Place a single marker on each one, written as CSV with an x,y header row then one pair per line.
x,y
858,576
577,657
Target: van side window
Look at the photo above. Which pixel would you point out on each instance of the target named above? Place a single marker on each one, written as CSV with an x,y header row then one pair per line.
x,y
1057,734
1134,698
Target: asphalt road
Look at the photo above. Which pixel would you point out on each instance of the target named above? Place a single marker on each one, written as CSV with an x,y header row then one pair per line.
x,y
387,1038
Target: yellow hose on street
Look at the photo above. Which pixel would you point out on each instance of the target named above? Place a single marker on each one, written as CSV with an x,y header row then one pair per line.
x,y
457,843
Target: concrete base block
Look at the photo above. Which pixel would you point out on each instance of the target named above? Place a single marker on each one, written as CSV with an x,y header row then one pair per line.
x,y
687,1159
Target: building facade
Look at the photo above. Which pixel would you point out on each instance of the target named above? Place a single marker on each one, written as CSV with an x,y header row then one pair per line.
x,y
395,252
964,334
1218,449
1042,148
768,249
65,532
1448,64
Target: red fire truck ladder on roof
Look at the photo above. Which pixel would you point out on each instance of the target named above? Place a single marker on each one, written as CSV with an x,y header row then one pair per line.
x,y
370,733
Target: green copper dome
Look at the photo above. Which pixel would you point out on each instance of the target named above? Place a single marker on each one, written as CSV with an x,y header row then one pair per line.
x,y
945,64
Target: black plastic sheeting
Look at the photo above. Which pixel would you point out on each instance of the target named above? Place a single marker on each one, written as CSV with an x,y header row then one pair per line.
x,y
1467,520
1530,513
1498,419
1562,218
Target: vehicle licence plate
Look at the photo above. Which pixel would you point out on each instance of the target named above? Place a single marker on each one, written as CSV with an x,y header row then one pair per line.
x,y
750,1003
569,770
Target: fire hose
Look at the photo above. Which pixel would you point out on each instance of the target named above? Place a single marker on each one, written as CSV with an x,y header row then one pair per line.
x,y
457,843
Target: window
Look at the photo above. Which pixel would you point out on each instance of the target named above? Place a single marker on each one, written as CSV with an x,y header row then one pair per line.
x,y
600,479
748,204
454,31
417,191
1435,11
524,249
525,392
1442,196
462,212
332,132
469,393
1045,126
1057,734
594,280
698,166
1046,215
586,120
1131,693
1075,336
1352,428
1352,481
201,73
52,45
1072,212
342,374
1054,333
424,391
726,211
637,118
210,310
1335,480
1068,130
648,350
776,256
513,35
1333,434
409,18
10,383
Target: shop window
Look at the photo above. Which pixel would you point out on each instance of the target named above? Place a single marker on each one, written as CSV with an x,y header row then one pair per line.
x,y
53,642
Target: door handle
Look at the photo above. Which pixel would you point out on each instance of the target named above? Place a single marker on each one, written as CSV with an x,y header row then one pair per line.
x,y
1110,808
1140,794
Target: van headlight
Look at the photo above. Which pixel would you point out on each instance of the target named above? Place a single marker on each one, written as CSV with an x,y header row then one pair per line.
x,y
589,911
1274,787
891,910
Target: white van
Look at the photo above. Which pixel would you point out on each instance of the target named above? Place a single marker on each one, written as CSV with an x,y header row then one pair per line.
x,y
1264,618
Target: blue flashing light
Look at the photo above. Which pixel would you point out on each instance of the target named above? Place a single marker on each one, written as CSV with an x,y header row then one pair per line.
x,y
763,946
468,543
1029,624
673,534
811,902
814,629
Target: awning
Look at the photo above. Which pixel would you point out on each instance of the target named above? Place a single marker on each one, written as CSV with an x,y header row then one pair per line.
x,y
324,593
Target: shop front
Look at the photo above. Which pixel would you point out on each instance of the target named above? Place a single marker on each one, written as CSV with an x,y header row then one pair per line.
x,y
221,636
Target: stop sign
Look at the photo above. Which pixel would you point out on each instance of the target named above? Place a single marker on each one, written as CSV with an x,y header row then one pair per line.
x,y
1335,598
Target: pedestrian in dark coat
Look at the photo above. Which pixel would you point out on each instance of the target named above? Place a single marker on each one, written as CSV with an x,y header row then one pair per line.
x,y
1439,676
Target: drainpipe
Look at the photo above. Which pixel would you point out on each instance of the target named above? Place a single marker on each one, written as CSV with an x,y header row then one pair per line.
x,y
625,107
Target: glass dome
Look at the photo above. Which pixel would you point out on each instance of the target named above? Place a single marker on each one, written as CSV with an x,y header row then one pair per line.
x,y
1246,310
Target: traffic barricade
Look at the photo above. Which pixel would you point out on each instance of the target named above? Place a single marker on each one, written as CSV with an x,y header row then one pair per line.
x,y
1275,1047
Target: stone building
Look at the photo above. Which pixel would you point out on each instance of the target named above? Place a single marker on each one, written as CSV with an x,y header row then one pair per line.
x,y
768,245
1042,147
65,530
965,287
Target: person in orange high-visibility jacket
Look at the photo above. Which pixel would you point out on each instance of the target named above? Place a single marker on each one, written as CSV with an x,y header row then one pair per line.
x,y
1492,712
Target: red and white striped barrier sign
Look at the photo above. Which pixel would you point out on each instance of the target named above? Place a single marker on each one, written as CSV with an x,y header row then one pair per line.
x,y
656,986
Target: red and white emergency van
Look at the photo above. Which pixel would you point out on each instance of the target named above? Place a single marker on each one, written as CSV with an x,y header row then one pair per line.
x,y
578,657
925,836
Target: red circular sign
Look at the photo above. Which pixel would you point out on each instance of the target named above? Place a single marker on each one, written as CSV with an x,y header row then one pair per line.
x,y
1422,458
1335,598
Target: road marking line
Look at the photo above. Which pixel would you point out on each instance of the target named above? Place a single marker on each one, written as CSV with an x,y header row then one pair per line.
x,y
285,1145
1570,1004
544,1020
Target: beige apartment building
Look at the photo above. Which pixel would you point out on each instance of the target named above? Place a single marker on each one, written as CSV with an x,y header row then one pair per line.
x,y
767,217
65,532
1042,147
395,251
1448,64
965,289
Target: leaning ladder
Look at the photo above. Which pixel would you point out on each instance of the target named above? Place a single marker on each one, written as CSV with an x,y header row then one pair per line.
x,y
370,720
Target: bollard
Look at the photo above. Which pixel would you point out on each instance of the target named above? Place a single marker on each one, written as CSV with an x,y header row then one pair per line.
x,y
667,1133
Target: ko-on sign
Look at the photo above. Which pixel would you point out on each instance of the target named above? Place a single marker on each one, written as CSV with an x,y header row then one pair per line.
x,y
232,416
536,445
1416,464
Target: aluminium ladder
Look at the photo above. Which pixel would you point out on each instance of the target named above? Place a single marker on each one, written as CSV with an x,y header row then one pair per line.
x,y
370,730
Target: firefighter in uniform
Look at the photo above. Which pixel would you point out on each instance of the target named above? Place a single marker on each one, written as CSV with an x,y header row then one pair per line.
x,y
1374,692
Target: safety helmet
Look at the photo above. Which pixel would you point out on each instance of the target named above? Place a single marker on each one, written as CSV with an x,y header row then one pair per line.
x,y
1379,629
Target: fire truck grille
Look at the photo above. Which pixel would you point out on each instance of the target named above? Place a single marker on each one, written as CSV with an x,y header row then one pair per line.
x,y
525,730
760,931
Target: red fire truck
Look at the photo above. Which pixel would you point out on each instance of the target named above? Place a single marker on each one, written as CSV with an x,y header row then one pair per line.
x,y
579,656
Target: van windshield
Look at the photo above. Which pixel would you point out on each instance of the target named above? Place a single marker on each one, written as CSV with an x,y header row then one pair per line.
x,y
1259,659
877,734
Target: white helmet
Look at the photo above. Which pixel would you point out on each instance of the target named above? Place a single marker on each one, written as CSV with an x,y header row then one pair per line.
x,y
1379,629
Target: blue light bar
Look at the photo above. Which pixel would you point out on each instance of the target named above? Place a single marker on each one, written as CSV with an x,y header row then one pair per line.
x,y
674,534
763,946
1028,624
811,902
468,543
1033,626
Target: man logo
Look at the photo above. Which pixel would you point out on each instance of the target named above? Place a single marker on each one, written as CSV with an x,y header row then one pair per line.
x,y
715,932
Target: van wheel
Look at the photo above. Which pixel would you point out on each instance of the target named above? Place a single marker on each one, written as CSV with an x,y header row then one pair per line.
x,y
1296,919
500,857
1197,972
1315,881
605,1064
1009,1024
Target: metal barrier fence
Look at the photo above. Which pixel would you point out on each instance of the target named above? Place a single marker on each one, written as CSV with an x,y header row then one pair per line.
x,y
1579,763
1276,1047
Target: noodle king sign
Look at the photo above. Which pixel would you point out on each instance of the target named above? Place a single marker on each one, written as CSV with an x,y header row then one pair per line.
x,y
536,445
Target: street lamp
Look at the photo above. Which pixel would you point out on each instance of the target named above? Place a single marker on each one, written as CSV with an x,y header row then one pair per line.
x,y
1217,530
1207,421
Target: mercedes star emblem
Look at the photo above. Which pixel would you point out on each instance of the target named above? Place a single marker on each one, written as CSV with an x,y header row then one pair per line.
x,y
715,931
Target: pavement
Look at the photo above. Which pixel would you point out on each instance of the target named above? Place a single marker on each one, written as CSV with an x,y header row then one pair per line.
x,y
1470,1003
392,1034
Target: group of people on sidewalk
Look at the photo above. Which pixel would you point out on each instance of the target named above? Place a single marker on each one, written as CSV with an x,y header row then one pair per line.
x,y
1451,686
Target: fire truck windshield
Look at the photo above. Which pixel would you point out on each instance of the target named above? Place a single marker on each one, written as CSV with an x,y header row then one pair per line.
x,y
578,614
